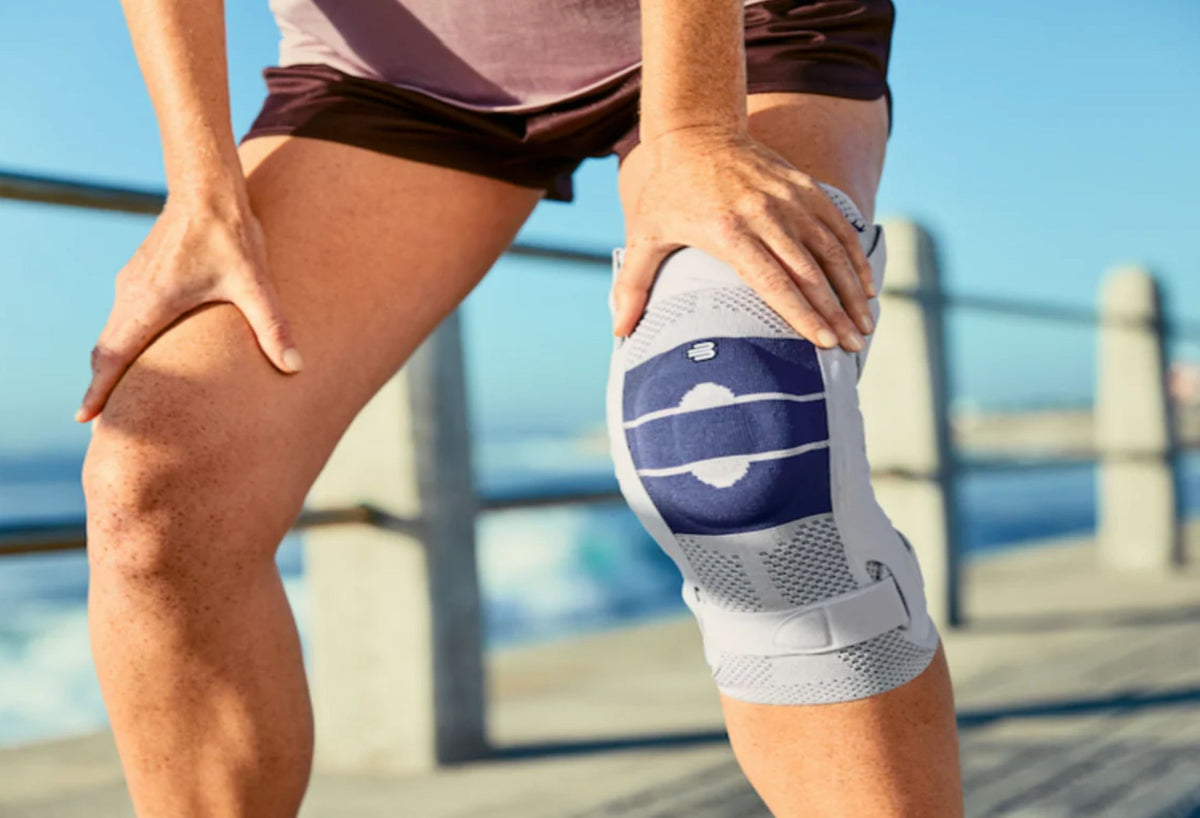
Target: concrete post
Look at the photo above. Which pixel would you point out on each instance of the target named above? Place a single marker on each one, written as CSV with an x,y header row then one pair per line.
x,y
396,665
1137,499
903,394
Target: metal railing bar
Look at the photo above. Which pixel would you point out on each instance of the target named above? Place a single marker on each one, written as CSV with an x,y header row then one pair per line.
x,y
71,193
593,497
27,187
67,538
69,535
593,258
49,190
1065,313
990,463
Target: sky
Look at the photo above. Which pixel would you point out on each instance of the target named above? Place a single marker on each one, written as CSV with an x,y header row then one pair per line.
x,y
1042,144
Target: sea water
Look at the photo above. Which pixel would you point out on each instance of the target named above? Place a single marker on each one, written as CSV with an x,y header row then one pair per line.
x,y
545,573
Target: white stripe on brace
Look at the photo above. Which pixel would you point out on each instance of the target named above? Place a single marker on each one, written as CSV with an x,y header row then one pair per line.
x,y
751,398
733,460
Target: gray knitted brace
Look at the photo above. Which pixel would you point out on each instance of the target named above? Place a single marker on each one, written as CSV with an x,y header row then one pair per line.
x,y
739,445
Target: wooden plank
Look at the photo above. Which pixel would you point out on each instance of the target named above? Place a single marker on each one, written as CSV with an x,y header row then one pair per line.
x,y
1080,693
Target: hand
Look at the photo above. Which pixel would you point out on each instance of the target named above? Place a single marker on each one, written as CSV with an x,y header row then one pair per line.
x,y
721,191
195,253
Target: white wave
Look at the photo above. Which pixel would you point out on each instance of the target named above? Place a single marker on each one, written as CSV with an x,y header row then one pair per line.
x,y
543,573
48,684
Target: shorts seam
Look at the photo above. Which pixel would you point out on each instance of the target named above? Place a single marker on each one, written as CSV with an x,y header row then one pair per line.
x,y
550,180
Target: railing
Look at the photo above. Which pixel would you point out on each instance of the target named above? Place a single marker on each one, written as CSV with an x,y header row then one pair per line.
x,y
390,543
41,537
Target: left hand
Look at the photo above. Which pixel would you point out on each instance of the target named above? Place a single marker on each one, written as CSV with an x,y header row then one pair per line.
x,y
719,190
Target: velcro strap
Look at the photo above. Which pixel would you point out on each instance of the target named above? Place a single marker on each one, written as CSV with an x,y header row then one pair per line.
x,y
825,626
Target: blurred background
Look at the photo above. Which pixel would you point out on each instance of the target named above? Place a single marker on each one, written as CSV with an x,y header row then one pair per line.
x,y
1040,146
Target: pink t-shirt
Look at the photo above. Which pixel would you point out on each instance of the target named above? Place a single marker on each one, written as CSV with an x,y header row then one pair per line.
x,y
495,55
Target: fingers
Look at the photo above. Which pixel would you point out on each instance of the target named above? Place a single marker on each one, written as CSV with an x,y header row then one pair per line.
x,y
820,277
632,286
843,278
130,330
831,215
803,289
795,247
775,285
120,342
259,302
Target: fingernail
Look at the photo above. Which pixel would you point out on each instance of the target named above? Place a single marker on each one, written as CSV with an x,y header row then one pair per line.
x,y
80,415
292,360
854,342
826,338
865,320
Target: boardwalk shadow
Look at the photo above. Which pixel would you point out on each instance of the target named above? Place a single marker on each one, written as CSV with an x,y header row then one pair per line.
x,y
1187,696
1077,620
967,719
1091,775
600,745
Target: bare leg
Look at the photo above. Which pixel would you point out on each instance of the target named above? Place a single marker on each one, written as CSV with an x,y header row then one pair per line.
x,y
204,454
890,756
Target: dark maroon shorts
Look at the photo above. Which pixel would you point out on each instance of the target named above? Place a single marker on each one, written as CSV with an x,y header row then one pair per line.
x,y
834,47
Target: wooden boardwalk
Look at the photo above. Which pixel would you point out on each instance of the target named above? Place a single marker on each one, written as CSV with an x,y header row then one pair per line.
x,y
1078,691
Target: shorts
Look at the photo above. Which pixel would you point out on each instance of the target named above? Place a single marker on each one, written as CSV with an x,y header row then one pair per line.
x,y
833,47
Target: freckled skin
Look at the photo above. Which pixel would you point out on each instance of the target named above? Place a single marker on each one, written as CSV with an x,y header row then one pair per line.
x,y
890,756
204,453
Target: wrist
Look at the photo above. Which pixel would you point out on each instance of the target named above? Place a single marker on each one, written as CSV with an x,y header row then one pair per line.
x,y
714,110
202,158
691,137
224,198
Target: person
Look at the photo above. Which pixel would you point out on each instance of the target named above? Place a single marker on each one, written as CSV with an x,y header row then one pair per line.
x,y
401,146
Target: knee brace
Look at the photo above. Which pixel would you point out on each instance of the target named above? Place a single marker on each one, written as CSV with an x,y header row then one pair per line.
x,y
739,445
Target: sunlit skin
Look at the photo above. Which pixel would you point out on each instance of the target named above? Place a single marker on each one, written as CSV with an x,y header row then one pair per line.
x,y
736,175
204,453
895,754
282,286
704,180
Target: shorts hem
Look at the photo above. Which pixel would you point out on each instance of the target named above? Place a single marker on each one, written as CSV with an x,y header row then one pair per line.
x,y
555,184
863,92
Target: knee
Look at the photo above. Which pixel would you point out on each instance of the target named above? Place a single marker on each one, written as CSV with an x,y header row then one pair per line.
x,y
734,441
739,445
723,406
170,485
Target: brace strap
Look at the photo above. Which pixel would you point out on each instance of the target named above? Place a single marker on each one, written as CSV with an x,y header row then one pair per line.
x,y
822,627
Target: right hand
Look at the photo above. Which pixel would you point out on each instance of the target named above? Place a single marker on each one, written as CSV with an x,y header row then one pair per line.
x,y
194,254
718,189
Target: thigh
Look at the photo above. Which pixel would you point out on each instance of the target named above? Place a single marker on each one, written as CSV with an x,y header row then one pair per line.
x,y
814,760
836,140
368,252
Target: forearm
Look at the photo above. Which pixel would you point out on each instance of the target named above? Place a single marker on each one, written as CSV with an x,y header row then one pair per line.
x,y
693,65
180,47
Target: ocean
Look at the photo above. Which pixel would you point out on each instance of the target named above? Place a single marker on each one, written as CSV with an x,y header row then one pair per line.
x,y
545,573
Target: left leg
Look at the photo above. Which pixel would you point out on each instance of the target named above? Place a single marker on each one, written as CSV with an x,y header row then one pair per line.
x,y
893,754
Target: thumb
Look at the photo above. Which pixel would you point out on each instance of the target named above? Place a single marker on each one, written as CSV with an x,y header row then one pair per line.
x,y
260,304
632,285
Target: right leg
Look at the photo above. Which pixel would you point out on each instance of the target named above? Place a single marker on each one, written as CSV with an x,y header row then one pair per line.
x,y
204,454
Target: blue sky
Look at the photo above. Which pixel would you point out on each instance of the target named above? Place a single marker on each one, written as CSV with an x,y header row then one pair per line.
x,y
1042,143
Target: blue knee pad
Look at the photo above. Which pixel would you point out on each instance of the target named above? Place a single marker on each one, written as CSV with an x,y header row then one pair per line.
x,y
739,445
